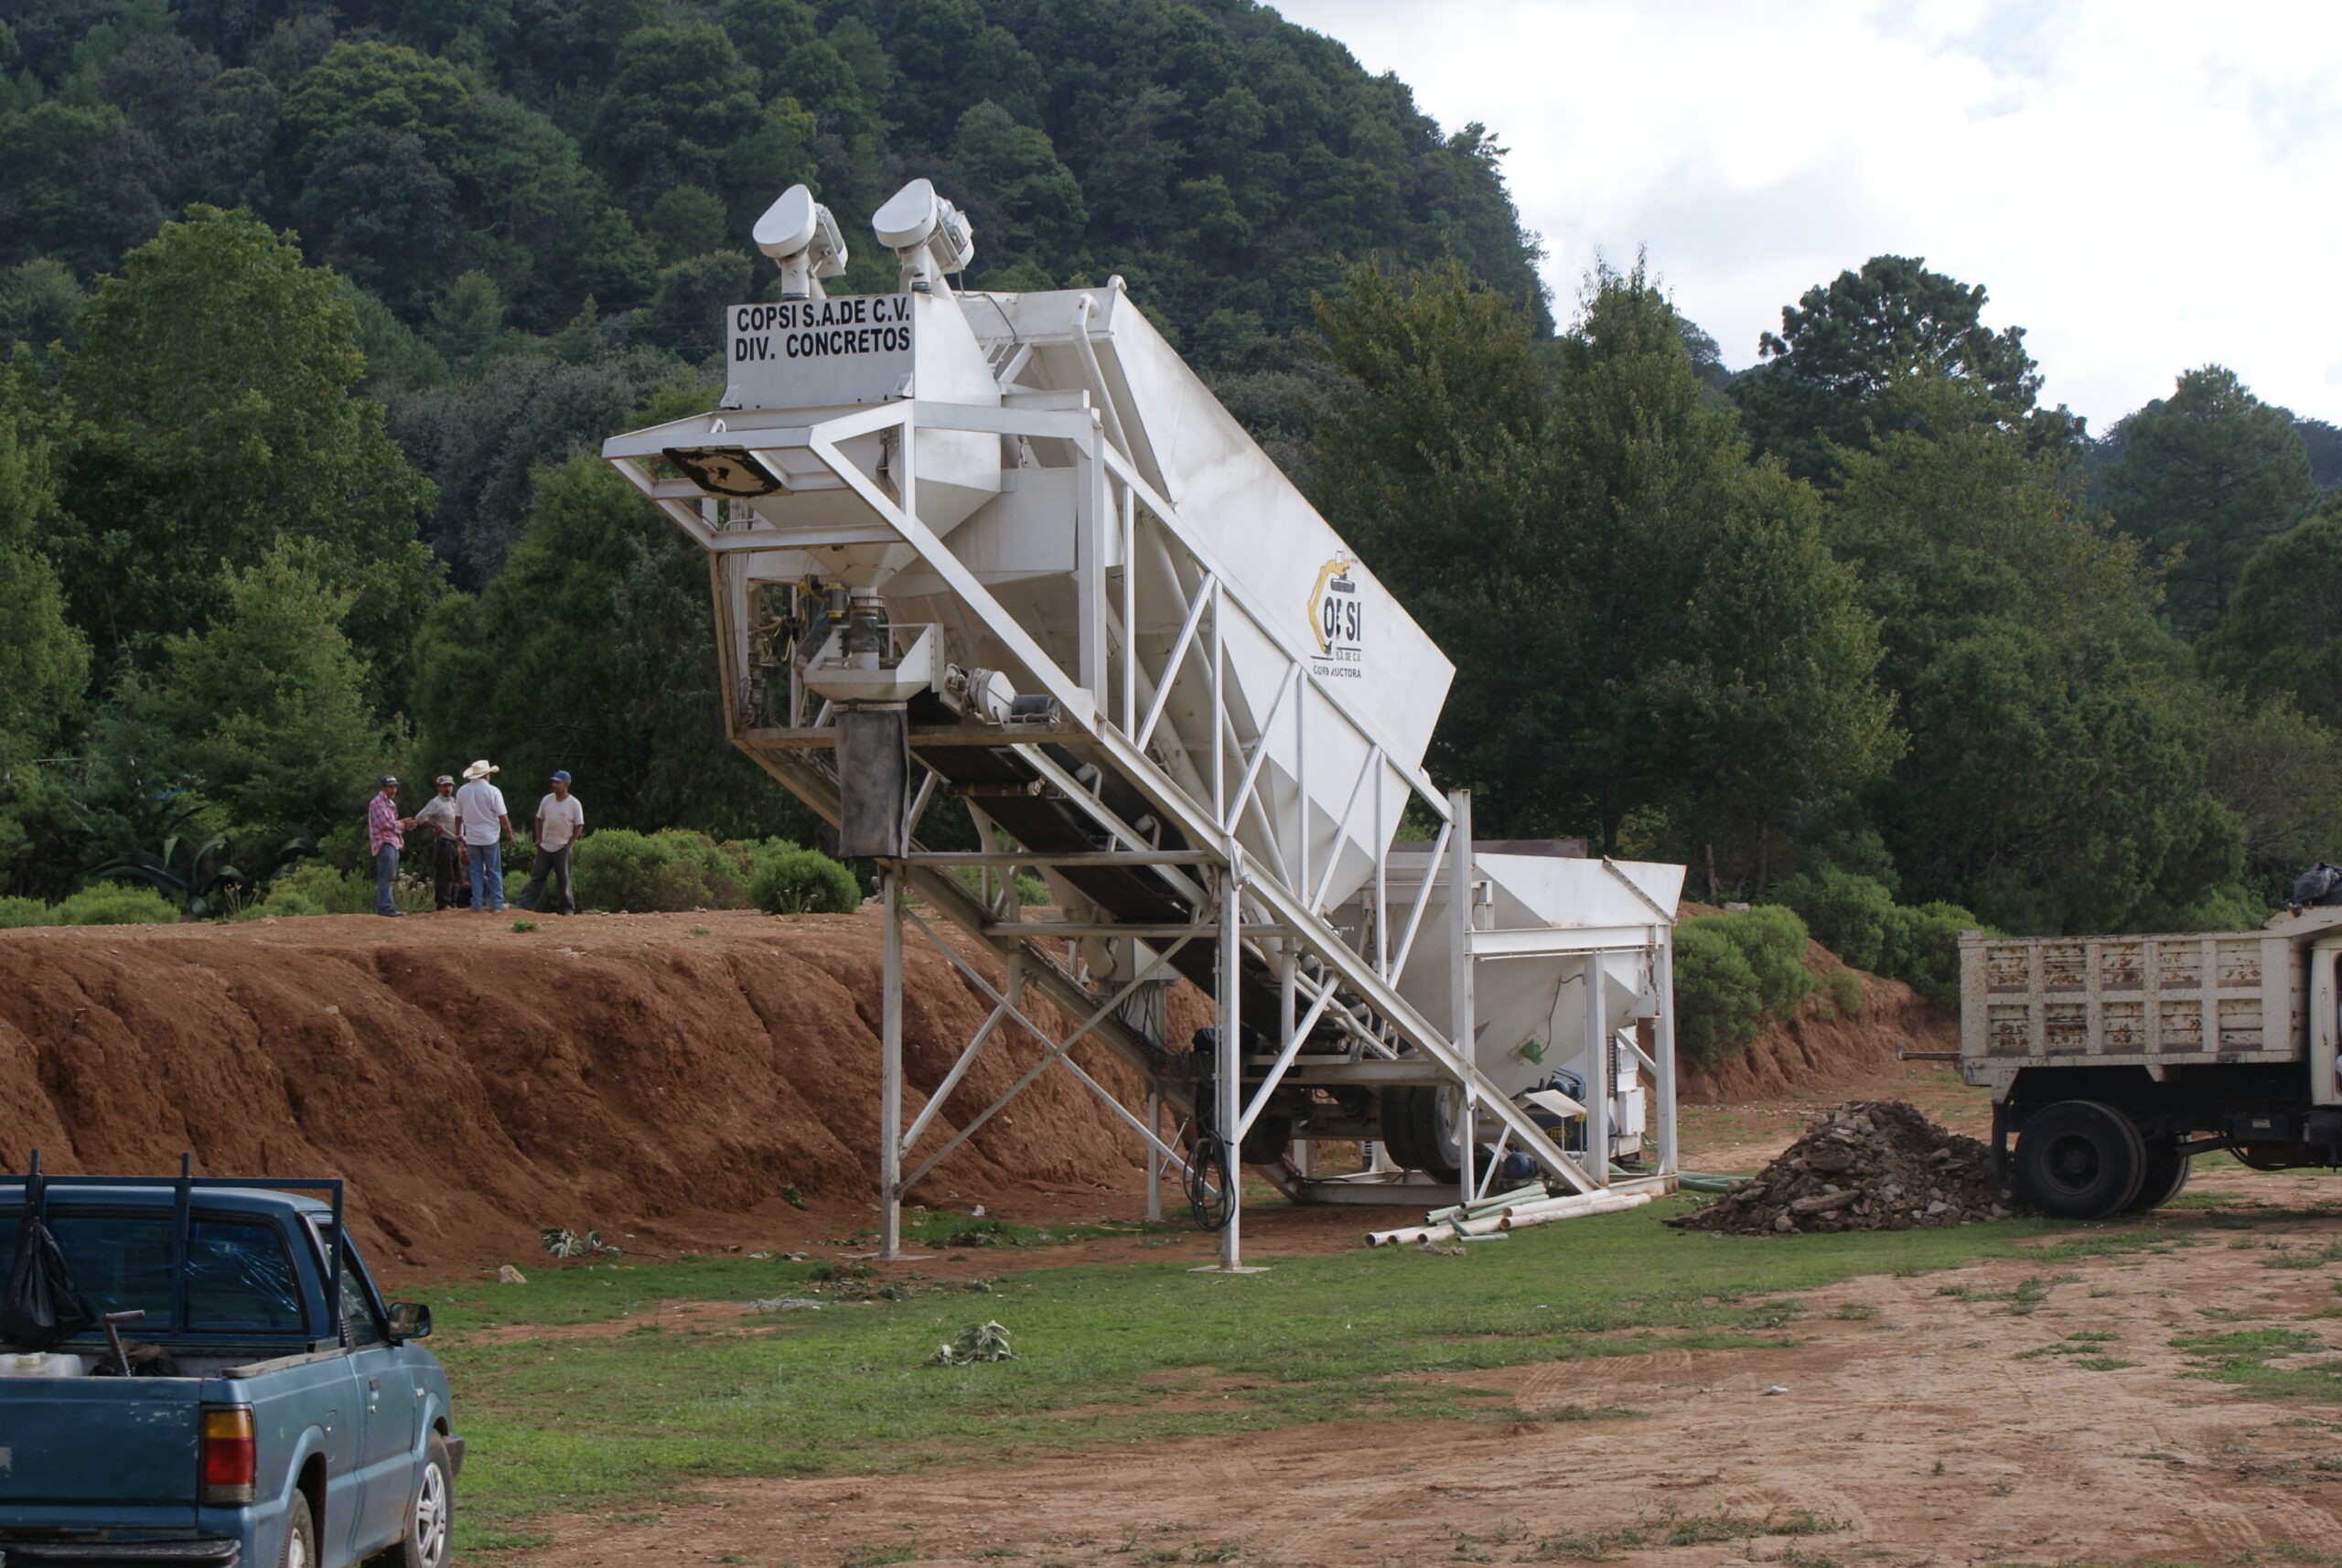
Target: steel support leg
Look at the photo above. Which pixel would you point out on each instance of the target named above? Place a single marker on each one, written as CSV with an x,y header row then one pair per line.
x,y
1153,1157
890,1069
1459,975
1228,1073
1601,1067
1663,1038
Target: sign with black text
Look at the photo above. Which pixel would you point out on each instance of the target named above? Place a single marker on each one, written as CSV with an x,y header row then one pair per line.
x,y
816,353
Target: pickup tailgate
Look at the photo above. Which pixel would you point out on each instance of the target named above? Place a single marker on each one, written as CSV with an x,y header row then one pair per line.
x,y
116,1440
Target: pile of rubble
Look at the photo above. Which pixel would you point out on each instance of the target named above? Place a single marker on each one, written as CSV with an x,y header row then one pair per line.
x,y
1870,1165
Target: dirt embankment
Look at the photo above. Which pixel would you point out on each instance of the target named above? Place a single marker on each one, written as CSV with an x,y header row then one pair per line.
x,y
1819,1050
658,1077
662,1075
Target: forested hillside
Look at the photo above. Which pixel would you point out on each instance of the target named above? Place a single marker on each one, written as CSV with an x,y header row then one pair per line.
x,y
315,312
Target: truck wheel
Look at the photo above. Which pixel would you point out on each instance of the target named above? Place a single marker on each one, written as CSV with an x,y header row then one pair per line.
x,y
1266,1143
2080,1160
2166,1175
431,1517
300,1547
1398,1129
1434,1127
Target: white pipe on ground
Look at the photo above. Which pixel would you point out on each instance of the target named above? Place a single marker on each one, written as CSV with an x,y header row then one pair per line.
x,y
1598,1203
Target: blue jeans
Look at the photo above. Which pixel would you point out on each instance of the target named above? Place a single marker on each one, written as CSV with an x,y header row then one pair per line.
x,y
386,867
487,862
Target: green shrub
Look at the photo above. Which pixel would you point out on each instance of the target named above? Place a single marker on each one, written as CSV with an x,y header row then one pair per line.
x,y
1718,1008
17,912
1922,949
672,869
1846,912
315,887
788,880
115,903
618,868
1773,941
1846,992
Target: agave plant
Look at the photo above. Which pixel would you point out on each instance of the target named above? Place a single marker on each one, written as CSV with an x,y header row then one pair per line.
x,y
199,876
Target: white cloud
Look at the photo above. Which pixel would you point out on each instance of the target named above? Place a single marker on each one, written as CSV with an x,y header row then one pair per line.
x,y
2143,184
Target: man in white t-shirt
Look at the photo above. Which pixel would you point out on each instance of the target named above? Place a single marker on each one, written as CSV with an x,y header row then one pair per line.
x,y
486,830
561,820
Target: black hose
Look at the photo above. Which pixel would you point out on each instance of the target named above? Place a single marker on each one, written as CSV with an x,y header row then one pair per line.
x,y
1207,1158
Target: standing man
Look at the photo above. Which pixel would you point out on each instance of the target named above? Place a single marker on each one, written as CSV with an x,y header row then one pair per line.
x,y
487,830
385,831
559,823
440,816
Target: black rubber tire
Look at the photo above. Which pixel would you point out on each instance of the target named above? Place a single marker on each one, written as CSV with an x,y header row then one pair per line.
x,y
2080,1160
301,1527
1265,1143
1399,1128
2166,1177
1435,1154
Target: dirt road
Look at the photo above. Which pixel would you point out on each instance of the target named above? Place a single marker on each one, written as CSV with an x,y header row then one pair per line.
x,y
1947,1417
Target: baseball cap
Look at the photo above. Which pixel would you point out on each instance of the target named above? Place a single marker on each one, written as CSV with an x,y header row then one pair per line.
x,y
562,777
443,778
386,782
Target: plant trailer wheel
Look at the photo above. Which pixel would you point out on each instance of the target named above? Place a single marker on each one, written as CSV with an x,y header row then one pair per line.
x,y
2080,1160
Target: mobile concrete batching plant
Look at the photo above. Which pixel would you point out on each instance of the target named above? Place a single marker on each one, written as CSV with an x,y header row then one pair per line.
x,y
1009,547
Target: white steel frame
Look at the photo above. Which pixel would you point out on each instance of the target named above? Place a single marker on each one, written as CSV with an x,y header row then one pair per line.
x,y
1257,879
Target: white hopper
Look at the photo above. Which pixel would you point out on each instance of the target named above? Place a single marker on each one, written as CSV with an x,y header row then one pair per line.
x,y
1541,923
1291,567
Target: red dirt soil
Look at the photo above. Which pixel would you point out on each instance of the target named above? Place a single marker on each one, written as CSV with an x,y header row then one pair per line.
x,y
659,1079
662,1075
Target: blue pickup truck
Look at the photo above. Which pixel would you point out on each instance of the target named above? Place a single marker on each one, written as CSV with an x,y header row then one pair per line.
x,y
274,1413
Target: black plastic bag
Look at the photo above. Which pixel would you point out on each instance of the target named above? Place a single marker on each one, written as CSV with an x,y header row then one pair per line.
x,y
2321,885
42,1308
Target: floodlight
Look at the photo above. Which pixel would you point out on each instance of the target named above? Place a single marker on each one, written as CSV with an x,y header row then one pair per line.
x,y
928,235
799,233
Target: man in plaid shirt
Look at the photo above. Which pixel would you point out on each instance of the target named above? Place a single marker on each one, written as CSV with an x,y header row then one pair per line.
x,y
385,831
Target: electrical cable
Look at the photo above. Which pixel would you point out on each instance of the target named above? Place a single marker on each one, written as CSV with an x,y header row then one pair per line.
x,y
1208,1155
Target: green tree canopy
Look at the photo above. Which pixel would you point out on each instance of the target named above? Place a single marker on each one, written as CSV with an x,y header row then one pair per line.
x,y
267,706
44,660
2056,779
590,652
1864,355
214,383
1552,530
2282,634
2208,473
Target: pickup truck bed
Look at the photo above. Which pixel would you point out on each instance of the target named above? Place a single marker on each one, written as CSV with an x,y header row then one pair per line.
x,y
301,1425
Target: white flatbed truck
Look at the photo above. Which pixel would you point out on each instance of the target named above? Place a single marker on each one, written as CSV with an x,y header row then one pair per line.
x,y
2115,1060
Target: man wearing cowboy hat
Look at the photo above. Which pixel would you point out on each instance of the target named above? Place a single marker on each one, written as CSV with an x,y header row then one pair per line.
x,y
479,806
440,816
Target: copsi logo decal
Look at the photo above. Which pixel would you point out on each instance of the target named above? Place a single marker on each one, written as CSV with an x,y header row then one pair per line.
x,y
1337,619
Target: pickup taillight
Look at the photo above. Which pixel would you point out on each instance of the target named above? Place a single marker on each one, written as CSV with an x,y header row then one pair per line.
x,y
230,1467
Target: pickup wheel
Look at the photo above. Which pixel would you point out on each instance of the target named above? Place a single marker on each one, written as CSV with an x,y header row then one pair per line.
x,y
2080,1160
300,1547
431,1517
2166,1175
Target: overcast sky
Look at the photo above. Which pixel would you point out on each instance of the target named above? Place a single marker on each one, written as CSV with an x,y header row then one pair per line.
x,y
2143,186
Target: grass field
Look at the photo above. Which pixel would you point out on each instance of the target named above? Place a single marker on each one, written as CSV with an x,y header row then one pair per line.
x,y
562,1416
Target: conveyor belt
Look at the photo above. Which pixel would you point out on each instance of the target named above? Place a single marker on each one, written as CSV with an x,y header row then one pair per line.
x,y
1045,822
